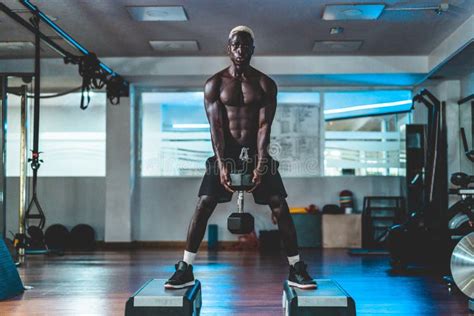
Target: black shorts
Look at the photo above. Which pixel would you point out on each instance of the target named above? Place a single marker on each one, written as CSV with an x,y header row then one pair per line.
x,y
271,184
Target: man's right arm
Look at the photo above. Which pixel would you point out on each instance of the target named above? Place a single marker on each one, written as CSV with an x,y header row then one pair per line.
x,y
214,111
213,107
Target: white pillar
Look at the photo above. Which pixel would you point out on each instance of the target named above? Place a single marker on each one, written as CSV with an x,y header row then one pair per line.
x,y
120,172
450,92
465,116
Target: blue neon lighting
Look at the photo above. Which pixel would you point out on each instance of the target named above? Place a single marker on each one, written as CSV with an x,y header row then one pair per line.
x,y
106,68
369,107
350,104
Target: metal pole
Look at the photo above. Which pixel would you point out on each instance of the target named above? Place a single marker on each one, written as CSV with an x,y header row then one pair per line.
x,y
240,202
383,129
36,112
23,167
3,155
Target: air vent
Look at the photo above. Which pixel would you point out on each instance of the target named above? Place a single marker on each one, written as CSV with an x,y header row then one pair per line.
x,y
353,11
336,46
336,30
158,13
175,46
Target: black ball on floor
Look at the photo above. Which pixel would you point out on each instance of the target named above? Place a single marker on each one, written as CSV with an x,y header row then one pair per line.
x,y
36,238
82,237
56,237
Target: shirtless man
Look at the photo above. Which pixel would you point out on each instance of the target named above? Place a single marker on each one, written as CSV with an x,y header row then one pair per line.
x,y
240,103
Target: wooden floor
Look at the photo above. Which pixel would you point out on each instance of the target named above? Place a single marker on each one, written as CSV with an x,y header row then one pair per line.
x,y
234,283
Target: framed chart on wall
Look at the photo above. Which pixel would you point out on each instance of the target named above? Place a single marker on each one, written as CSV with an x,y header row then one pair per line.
x,y
297,139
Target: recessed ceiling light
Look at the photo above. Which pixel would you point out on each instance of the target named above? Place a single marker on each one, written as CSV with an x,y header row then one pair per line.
x,y
158,13
175,46
353,11
16,46
336,46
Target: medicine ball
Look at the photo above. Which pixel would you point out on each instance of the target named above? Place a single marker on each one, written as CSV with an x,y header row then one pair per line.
x,y
35,238
82,237
57,237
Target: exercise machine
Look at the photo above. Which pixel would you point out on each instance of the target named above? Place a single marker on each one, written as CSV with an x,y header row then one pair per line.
x,y
460,214
419,239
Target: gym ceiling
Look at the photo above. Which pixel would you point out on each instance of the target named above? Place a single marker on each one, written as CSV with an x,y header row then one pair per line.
x,y
282,28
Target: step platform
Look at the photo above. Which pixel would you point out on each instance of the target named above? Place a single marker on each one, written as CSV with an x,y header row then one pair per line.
x,y
329,299
154,299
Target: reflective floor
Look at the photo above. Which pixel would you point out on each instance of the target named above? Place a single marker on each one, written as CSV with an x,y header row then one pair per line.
x,y
233,283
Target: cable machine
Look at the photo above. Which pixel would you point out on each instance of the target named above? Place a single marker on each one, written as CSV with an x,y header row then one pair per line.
x,y
95,75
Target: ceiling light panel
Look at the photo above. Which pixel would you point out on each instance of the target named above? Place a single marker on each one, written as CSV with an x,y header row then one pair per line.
x,y
157,13
353,11
175,46
336,46
16,46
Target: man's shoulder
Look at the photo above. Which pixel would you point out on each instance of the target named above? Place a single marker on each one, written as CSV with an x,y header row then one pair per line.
x,y
217,77
213,84
267,83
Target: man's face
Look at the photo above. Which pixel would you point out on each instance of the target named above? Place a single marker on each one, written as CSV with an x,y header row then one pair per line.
x,y
240,48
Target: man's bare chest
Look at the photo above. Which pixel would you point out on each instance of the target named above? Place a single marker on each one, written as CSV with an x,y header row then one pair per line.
x,y
241,93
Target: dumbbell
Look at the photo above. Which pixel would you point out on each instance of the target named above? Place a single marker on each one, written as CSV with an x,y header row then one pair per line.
x,y
240,222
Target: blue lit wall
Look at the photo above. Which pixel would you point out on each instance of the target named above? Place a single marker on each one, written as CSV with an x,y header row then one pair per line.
x,y
188,107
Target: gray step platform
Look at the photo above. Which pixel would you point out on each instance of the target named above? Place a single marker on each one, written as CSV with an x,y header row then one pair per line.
x,y
154,299
329,299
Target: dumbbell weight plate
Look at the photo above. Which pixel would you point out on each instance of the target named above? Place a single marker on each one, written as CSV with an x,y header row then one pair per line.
x,y
240,223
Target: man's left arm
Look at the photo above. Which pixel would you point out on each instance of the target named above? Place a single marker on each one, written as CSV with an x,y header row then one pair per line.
x,y
265,119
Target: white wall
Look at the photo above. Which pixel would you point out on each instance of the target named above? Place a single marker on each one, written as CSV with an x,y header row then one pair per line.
x,y
448,91
167,204
467,85
118,182
68,201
